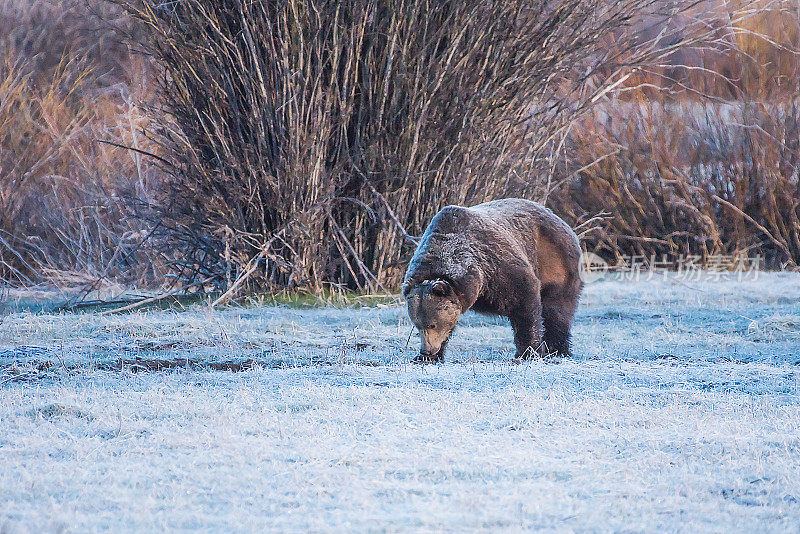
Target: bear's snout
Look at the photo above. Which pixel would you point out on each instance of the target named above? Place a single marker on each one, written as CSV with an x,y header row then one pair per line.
x,y
432,344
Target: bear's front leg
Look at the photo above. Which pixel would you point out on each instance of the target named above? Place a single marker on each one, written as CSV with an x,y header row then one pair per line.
x,y
527,325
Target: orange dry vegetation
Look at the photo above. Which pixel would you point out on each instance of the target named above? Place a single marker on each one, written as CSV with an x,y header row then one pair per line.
x,y
698,155
66,81
767,39
751,52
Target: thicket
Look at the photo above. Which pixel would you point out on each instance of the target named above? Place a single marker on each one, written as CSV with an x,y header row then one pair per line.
x,y
699,154
313,139
303,144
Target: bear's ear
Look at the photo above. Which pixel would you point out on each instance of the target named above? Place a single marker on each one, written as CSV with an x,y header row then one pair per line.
x,y
405,289
441,288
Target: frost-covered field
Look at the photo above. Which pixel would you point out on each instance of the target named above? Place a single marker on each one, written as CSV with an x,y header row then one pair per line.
x,y
679,412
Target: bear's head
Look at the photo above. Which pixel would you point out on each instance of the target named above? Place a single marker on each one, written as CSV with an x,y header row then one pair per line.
x,y
434,308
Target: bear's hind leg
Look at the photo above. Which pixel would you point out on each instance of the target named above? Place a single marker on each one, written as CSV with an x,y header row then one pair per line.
x,y
527,325
558,308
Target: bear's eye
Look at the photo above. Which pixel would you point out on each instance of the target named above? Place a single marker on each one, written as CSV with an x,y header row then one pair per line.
x,y
430,327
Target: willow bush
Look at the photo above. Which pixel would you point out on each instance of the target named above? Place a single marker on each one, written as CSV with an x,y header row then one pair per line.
x,y
309,141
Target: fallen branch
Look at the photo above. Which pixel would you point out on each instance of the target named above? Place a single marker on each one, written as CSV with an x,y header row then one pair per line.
x,y
364,269
392,215
93,304
252,265
157,298
602,216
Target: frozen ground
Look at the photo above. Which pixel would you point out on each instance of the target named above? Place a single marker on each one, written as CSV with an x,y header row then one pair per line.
x,y
679,412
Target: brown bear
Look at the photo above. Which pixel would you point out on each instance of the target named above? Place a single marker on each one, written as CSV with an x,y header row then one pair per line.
x,y
510,257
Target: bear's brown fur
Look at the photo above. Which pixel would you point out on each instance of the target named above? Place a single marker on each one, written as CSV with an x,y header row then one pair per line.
x,y
510,257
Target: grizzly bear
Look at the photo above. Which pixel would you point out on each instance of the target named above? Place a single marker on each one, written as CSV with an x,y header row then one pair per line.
x,y
510,257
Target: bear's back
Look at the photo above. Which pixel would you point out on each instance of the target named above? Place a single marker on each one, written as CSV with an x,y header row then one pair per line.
x,y
493,233
537,230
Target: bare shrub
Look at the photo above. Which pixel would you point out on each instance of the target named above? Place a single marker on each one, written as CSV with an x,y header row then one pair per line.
x,y
313,137
306,143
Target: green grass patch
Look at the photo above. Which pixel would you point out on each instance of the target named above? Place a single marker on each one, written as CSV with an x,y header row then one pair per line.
x,y
324,299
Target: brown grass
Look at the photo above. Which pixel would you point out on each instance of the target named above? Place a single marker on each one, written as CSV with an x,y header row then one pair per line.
x,y
66,81
688,178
